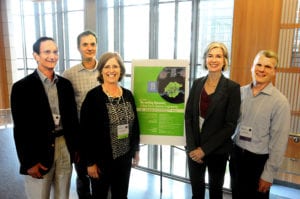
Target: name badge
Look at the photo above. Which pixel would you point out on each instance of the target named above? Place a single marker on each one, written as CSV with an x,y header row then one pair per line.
x,y
246,133
123,131
56,119
201,121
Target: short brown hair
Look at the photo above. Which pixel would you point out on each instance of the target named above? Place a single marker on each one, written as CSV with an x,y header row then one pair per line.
x,y
102,61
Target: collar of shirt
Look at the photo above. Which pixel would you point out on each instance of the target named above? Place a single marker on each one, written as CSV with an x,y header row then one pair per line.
x,y
82,68
267,90
44,78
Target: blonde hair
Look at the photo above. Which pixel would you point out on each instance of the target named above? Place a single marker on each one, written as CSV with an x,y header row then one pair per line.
x,y
213,45
269,54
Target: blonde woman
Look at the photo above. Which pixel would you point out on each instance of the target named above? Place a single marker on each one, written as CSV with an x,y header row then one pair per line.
x,y
211,116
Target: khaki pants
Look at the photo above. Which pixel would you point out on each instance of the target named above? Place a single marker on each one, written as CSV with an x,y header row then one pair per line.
x,y
58,178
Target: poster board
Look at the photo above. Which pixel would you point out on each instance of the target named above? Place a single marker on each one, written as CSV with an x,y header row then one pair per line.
x,y
160,89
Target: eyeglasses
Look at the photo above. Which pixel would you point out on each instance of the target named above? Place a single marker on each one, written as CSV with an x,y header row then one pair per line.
x,y
49,52
111,67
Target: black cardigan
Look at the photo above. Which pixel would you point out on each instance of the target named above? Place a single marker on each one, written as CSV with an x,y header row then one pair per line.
x,y
95,132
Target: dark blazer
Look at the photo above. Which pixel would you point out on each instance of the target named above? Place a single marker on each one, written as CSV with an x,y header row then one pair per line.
x,y
33,121
221,118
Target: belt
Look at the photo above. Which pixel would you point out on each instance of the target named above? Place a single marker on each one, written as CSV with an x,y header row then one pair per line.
x,y
246,152
58,133
241,150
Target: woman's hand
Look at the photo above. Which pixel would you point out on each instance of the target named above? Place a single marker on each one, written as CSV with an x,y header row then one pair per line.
x,y
136,159
197,155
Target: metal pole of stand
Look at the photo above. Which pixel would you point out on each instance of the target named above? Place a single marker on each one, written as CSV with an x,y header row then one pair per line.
x,y
161,172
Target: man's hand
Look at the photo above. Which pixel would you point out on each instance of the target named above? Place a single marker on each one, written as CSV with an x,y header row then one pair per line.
x,y
264,186
94,171
35,171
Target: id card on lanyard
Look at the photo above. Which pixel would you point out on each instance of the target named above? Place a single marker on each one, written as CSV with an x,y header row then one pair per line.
x,y
123,131
56,119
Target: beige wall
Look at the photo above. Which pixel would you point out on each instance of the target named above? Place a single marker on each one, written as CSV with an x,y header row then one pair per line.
x,y
256,26
7,53
4,102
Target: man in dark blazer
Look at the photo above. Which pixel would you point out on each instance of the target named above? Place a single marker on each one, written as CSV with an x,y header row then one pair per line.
x,y
45,125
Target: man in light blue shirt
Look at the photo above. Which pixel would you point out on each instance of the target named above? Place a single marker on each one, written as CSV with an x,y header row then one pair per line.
x,y
83,77
262,132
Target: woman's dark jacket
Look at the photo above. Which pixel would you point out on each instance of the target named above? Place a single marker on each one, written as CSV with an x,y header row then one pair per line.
x,y
221,118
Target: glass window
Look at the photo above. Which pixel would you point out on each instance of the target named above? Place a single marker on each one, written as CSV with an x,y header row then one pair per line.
x,y
166,31
110,24
34,19
48,29
27,7
136,32
144,158
75,5
295,59
179,163
135,2
183,40
128,28
75,27
296,49
215,24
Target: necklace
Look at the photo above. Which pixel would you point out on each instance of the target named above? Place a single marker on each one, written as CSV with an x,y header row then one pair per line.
x,y
113,94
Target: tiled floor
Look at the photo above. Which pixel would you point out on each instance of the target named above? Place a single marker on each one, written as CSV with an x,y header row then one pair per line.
x,y
143,185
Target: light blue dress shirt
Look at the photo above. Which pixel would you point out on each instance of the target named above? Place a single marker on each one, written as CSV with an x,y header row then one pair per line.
x,y
266,117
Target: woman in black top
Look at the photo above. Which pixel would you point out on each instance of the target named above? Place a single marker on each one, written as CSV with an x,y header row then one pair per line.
x,y
211,116
112,135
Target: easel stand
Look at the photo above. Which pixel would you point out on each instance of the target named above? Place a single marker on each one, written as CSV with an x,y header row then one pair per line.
x,y
161,189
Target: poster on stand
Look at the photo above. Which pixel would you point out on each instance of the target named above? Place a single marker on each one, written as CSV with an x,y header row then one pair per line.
x,y
160,89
